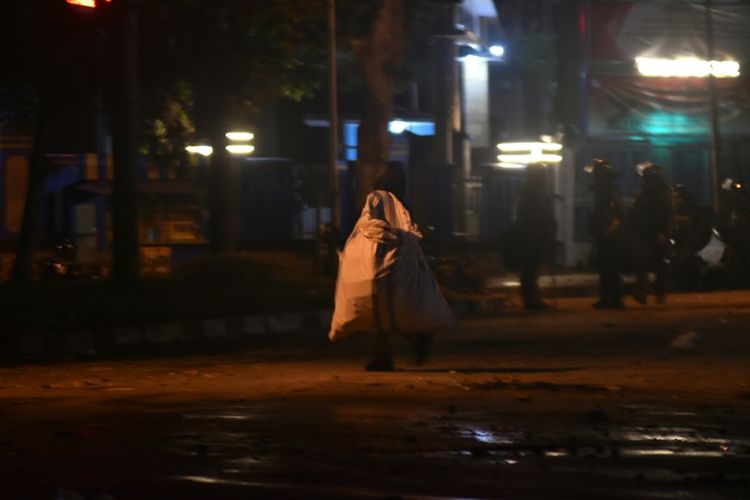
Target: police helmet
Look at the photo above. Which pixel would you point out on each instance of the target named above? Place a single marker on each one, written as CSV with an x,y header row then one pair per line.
x,y
601,171
648,169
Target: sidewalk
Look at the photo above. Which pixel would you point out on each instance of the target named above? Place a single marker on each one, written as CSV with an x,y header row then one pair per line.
x,y
501,294
564,284
208,334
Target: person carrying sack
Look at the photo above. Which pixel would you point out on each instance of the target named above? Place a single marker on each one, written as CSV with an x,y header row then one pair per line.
x,y
385,285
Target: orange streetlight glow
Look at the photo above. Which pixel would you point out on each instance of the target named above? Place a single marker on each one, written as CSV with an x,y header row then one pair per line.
x,y
85,3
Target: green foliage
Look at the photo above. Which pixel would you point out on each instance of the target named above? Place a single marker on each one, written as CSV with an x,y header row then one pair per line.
x,y
354,19
169,125
235,55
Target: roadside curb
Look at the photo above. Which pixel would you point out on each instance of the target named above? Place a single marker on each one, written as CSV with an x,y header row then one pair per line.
x,y
480,306
149,339
152,338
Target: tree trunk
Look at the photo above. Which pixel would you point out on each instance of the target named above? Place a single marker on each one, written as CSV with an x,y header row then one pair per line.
x,y
380,55
22,266
125,148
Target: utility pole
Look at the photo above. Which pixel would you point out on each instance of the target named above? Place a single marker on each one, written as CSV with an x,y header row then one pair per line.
x,y
125,145
715,132
333,142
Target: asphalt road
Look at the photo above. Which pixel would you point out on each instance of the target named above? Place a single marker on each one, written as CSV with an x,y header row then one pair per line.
x,y
650,402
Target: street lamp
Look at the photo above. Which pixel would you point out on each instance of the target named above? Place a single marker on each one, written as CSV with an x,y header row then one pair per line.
x,y
200,149
240,145
698,68
240,142
90,4
687,67
520,154
497,50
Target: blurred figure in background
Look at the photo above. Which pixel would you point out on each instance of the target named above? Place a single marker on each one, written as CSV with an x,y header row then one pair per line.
x,y
605,226
535,231
653,218
734,227
692,233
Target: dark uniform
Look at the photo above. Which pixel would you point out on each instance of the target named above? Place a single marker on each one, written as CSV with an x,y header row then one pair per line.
x,y
653,218
605,226
692,232
734,227
535,230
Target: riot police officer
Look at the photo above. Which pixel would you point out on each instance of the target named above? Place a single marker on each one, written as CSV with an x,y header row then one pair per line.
x,y
605,226
734,226
653,218
692,231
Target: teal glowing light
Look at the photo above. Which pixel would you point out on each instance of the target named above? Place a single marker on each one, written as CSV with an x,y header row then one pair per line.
x,y
663,123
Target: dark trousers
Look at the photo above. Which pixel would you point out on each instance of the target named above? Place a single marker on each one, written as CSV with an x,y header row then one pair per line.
x,y
530,285
610,276
610,284
659,264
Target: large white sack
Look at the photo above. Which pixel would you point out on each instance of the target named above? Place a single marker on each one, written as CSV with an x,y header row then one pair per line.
x,y
384,282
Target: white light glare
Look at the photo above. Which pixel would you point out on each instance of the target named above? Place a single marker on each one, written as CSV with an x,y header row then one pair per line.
x,y
687,67
529,146
471,59
200,150
397,126
504,164
240,136
530,158
528,152
497,50
240,149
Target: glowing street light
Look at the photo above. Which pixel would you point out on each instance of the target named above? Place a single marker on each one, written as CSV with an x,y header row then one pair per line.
x,y
687,67
520,154
239,146
240,149
241,140
85,3
202,150
240,136
397,126
497,50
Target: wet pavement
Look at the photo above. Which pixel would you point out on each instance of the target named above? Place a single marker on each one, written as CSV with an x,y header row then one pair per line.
x,y
569,404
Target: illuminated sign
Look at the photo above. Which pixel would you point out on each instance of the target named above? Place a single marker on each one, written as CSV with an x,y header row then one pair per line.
x,y
687,67
520,154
